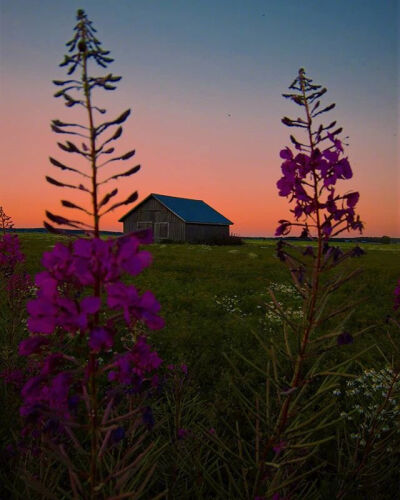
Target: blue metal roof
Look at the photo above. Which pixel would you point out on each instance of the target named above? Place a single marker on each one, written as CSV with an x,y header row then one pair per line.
x,y
192,210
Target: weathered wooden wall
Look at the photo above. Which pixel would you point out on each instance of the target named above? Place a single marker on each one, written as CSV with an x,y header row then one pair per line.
x,y
206,232
153,211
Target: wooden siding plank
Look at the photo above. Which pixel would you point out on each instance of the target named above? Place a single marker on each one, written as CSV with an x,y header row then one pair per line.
x,y
153,211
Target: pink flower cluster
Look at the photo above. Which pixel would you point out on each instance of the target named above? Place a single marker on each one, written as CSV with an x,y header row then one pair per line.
x,y
15,282
88,260
303,173
134,364
10,252
79,266
48,393
67,311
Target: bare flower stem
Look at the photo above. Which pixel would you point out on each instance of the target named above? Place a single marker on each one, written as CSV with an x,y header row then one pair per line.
x,y
93,416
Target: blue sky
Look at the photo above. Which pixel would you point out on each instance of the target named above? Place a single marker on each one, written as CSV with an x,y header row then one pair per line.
x,y
188,64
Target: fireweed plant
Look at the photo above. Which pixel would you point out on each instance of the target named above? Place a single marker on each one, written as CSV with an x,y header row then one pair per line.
x,y
87,406
15,287
6,222
290,411
310,180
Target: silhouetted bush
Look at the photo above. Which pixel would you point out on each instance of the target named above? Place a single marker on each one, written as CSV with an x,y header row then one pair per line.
x,y
228,240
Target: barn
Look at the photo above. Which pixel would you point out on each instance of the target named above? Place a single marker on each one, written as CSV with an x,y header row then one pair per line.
x,y
177,219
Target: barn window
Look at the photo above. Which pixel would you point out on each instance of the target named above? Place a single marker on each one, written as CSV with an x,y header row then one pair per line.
x,y
163,229
144,225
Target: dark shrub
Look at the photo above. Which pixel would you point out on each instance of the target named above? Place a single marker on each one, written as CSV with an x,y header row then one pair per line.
x,y
228,240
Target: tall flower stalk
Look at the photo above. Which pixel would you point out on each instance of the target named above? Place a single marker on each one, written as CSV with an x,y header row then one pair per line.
x,y
90,380
289,410
309,179
84,47
6,222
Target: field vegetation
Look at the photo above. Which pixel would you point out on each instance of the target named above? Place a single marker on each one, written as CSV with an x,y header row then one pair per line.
x,y
266,370
215,304
213,297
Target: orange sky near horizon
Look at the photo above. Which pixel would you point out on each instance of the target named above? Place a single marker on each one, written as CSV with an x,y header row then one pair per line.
x,y
217,140
228,167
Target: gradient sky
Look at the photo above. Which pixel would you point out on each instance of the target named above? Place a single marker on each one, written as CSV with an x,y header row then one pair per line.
x,y
186,66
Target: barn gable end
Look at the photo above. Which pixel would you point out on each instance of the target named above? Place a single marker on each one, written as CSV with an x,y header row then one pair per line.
x,y
177,219
151,213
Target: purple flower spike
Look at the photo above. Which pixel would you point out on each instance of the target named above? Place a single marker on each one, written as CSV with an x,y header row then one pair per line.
x,y
52,394
32,345
150,307
284,228
93,258
58,261
144,358
124,371
74,328
100,338
352,199
46,283
90,305
121,296
10,253
286,154
134,264
42,315
309,179
144,308
285,186
52,363
137,363
326,228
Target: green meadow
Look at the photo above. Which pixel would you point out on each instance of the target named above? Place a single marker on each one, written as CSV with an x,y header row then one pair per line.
x,y
214,300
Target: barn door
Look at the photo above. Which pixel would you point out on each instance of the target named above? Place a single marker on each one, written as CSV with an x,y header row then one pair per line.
x,y
161,231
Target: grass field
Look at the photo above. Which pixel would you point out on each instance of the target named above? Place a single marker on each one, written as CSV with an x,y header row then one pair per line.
x,y
213,298
215,303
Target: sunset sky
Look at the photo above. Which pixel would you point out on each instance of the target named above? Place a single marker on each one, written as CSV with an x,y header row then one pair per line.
x,y
204,80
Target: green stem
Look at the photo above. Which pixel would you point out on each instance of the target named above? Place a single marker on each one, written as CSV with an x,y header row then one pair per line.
x,y
93,416
92,147
283,416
